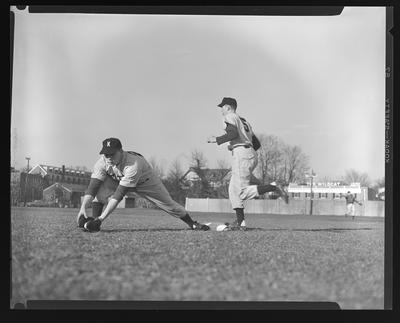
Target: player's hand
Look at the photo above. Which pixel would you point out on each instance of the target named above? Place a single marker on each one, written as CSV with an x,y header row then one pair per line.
x,y
212,139
82,218
82,212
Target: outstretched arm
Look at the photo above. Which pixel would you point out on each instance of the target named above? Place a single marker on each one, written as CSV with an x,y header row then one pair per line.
x,y
90,193
111,206
231,133
118,195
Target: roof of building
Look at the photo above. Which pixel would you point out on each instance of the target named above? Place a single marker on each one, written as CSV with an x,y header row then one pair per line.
x,y
211,174
57,185
45,169
70,187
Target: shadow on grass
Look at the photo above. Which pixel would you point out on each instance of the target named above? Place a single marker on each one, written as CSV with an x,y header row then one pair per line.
x,y
247,229
333,229
143,230
308,230
324,229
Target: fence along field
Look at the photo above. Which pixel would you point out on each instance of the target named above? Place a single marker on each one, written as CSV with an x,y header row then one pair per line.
x,y
295,207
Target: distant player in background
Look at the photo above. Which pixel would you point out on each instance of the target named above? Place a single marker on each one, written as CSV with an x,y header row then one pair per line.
x,y
350,208
243,145
117,172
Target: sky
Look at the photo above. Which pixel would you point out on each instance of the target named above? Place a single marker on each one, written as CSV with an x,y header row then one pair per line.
x,y
154,82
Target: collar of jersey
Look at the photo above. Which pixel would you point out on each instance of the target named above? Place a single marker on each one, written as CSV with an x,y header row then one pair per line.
x,y
120,163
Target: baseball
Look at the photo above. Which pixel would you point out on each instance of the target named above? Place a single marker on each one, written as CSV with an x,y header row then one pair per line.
x,y
221,227
216,226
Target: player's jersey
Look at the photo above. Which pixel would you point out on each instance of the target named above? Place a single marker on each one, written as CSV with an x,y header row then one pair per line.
x,y
350,198
243,127
131,171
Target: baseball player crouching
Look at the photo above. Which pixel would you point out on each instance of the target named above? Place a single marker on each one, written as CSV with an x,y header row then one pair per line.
x,y
117,172
243,145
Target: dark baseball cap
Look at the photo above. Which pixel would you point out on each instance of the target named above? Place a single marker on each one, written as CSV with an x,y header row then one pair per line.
x,y
230,101
110,146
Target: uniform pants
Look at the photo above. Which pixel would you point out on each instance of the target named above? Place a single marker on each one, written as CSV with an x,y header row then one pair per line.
x,y
152,189
350,209
244,161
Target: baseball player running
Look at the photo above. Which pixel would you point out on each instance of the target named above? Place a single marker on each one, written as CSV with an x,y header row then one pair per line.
x,y
350,199
243,145
117,172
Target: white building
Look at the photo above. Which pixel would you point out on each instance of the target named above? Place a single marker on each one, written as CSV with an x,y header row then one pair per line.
x,y
330,190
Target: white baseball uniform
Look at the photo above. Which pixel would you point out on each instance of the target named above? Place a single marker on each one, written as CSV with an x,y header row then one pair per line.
x,y
135,173
350,199
351,209
244,161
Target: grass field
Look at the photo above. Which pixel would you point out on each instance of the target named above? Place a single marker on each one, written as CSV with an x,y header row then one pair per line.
x,y
143,254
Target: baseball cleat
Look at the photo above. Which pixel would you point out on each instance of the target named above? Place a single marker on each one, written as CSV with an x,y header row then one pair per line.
x,y
282,193
82,220
92,225
235,226
199,226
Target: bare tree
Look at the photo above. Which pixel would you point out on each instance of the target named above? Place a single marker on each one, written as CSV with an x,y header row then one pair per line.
x,y
352,176
175,172
269,158
15,188
327,179
174,182
198,161
280,162
223,164
31,187
198,164
222,180
157,166
380,182
295,164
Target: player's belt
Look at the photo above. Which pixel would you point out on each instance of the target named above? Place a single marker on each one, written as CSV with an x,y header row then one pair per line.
x,y
244,146
231,148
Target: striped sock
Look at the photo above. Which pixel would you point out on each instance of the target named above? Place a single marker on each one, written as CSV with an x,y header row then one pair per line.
x,y
239,215
188,220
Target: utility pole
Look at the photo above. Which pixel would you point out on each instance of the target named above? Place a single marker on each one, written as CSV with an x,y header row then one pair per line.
x,y
28,159
63,173
26,179
311,176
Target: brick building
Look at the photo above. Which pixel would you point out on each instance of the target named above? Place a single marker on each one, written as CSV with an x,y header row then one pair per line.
x,y
60,185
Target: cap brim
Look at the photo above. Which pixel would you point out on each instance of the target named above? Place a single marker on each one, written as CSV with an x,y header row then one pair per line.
x,y
220,105
108,150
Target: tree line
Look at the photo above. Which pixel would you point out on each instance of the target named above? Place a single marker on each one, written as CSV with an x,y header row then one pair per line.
x,y
277,162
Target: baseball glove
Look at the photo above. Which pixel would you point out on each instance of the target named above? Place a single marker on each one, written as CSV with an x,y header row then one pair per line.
x,y
82,220
92,225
